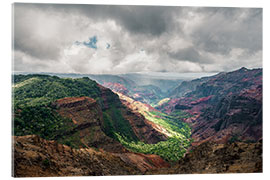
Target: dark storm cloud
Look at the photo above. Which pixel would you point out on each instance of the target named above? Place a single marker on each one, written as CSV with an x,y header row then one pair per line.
x,y
143,20
26,38
228,28
146,20
39,50
199,39
150,20
189,54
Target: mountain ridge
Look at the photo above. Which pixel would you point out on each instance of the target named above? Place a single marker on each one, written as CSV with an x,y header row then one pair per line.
x,y
219,106
133,126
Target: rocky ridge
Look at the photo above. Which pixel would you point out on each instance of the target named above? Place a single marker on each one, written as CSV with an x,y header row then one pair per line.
x,y
140,108
210,157
223,108
36,157
86,113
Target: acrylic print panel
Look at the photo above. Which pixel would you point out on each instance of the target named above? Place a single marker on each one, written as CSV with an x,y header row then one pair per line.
x,y
129,90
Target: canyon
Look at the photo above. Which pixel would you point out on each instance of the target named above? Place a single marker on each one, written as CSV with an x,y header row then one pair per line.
x,y
213,124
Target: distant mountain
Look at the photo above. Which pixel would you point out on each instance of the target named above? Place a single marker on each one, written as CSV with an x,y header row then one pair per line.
x,y
148,88
138,87
165,84
127,124
115,79
187,86
224,107
143,88
229,83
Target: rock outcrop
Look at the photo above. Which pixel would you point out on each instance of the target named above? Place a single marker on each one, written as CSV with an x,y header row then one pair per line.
x,y
116,87
36,157
211,158
146,130
235,118
144,162
86,113
226,107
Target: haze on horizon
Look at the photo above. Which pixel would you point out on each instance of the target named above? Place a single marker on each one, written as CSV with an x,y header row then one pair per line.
x,y
100,39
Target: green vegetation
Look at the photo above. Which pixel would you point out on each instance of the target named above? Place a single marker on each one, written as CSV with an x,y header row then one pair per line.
x,y
72,140
258,74
35,113
163,101
234,138
115,123
46,163
173,148
33,109
36,90
40,120
172,124
179,114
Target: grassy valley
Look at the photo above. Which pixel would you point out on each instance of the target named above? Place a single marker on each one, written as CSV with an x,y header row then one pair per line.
x,y
178,132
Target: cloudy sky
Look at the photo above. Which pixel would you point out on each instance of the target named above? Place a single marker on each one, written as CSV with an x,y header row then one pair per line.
x,y
121,39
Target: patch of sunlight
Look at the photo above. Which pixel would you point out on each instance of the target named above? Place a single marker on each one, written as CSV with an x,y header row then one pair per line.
x,y
23,83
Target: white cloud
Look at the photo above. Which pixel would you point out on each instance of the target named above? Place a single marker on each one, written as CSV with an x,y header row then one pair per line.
x,y
193,39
